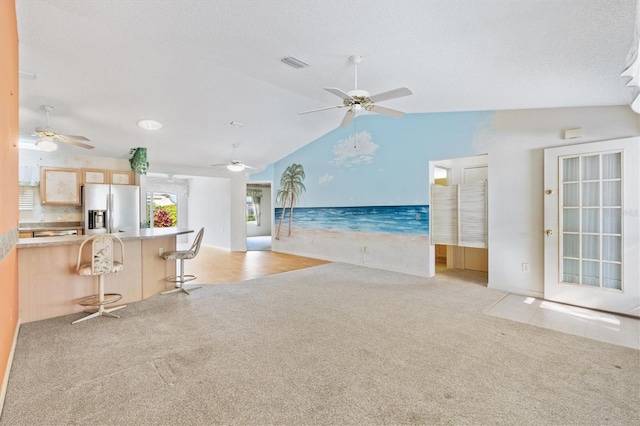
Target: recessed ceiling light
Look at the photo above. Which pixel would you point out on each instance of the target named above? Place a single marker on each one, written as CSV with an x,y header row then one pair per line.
x,y
236,124
149,124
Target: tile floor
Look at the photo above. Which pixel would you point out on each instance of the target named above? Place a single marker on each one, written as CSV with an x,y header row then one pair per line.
x,y
603,326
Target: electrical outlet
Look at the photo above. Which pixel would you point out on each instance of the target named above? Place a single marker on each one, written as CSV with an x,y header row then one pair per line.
x,y
525,267
160,251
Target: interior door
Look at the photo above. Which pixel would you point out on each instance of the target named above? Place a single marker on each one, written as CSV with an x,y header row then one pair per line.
x,y
592,225
476,259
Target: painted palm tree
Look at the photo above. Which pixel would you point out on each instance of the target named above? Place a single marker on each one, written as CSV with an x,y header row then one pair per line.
x,y
291,189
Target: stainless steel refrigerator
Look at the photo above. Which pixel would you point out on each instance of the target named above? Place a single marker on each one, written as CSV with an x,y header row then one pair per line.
x,y
110,208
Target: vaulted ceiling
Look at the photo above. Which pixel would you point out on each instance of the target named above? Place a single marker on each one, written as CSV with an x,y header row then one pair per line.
x,y
198,65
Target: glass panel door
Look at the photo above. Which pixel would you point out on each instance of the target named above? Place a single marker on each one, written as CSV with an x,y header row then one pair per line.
x,y
590,225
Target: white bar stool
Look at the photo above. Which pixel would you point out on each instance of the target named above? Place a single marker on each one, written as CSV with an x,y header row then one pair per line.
x,y
103,248
183,255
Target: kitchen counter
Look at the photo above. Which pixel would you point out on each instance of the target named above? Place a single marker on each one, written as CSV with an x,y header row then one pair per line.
x,y
146,233
50,287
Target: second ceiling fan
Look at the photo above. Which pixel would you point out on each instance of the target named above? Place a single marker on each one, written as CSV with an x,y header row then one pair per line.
x,y
357,100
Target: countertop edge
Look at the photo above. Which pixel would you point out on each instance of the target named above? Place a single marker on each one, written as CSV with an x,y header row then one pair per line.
x,y
142,234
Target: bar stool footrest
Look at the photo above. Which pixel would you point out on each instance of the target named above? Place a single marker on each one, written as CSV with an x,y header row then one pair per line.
x,y
95,299
183,279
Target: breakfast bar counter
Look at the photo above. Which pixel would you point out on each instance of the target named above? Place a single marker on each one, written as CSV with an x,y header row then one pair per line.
x,y
49,286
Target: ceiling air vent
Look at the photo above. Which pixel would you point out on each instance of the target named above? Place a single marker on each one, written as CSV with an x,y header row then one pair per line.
x,y
293,62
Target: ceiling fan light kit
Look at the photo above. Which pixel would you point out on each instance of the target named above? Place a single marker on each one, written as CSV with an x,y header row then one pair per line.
x,y
356,100
235,167
46,144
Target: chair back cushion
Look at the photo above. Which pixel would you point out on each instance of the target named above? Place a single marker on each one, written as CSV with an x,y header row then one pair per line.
x,y
102,256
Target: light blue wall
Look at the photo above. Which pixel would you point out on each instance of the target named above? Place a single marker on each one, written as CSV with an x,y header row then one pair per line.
x,y
389,165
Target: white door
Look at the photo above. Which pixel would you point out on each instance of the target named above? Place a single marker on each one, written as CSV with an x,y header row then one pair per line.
x,y
476,259
592,225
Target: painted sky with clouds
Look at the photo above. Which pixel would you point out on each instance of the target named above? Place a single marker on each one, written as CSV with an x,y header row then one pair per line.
x,y
381,161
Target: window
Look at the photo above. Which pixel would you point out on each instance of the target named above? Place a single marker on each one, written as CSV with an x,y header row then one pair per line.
x,y
25,198
162,210
251,210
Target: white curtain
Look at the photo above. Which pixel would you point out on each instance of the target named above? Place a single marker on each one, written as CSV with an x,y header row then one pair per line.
x,y
256,195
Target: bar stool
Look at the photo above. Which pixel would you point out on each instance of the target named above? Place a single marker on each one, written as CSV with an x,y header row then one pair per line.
x,y
103,248
183,255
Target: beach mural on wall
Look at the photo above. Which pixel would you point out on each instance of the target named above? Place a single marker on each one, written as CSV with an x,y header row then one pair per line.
x,y
366,188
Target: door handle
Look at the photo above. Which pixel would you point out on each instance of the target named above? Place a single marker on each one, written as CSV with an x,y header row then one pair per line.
x,y
549,232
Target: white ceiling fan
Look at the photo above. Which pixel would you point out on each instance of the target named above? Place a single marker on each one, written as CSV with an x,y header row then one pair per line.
x,y
234,165
47,137
357,100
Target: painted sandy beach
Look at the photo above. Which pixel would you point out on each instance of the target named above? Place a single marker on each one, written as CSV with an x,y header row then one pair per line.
x,y
408,253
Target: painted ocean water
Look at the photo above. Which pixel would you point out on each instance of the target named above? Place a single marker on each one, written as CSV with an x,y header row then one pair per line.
x,y
388,219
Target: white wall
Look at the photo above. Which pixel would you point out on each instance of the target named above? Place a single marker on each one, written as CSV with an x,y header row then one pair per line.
x,y
209,207
515,146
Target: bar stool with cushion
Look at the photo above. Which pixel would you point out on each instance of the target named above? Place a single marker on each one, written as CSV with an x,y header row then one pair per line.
x,y
183,255
103,261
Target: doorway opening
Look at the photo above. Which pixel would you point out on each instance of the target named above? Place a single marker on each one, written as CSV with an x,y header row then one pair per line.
x,y
258,216
440,177
458,218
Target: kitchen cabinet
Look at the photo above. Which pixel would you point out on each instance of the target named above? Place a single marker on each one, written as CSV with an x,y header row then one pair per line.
x,y
95,176
60,186
116,177
120,177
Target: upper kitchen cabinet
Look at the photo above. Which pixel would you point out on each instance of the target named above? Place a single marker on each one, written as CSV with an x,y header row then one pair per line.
x,y
59,186
120,177
95,176
116,177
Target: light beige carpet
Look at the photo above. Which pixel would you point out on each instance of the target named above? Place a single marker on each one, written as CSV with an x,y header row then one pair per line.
x,y
331,345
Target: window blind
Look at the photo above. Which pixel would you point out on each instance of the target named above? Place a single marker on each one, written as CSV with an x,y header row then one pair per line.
x,y
25,198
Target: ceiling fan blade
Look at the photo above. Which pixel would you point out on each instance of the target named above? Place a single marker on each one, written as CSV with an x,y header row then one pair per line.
x,y
320,109
79,138
348,117
391,94
387,111
28,136
339,93
74,142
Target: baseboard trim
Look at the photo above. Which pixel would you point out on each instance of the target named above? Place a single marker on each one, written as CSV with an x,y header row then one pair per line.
x,y
5,382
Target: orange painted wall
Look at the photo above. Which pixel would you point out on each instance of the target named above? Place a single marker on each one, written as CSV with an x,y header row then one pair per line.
x,y
8,177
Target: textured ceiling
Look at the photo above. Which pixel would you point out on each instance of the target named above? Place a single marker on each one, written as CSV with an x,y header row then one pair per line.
x,y
198,65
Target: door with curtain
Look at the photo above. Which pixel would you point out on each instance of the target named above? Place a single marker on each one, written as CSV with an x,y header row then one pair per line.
x,y
592,225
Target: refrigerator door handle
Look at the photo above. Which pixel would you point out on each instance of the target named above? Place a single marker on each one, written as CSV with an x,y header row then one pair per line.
x,y
111,207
